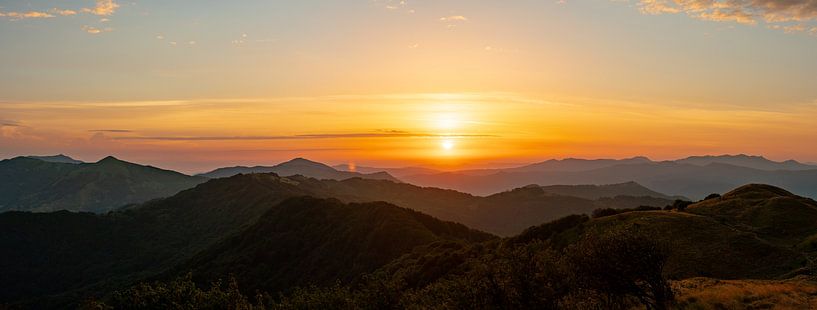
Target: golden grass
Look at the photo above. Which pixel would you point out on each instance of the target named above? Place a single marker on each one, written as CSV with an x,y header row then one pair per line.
x,y
706,293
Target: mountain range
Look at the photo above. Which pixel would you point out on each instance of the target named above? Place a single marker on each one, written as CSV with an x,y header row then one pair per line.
x,y
693,177
299,166
61,183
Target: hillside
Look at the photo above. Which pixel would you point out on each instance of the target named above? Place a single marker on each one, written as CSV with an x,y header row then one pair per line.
x,y
30,184
142,241
606,191
619,261
258,229
299,166
324,239
102,252
504,214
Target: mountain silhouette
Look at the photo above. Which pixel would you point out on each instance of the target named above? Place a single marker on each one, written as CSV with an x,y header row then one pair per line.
x,y
606,191
299,166
39,185
742,160
57,159
673,178
396,172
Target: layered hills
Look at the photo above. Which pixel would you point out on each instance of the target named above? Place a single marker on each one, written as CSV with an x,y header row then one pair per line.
x,y
693,177
716,238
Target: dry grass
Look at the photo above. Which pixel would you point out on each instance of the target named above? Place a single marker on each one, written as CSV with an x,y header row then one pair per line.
x,y
706,293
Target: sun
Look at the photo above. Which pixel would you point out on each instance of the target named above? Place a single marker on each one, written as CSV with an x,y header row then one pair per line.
x,y
447,144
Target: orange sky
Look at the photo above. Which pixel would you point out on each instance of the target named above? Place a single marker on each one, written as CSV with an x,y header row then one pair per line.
x,y
454,84
444,130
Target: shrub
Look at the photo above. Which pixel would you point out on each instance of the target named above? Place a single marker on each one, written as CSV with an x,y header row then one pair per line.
x,y
621,265
680,205
712,196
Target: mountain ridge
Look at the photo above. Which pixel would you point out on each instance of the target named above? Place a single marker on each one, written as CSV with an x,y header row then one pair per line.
x,y
298,166
110,183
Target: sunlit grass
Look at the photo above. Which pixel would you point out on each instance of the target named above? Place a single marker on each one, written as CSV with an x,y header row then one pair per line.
x,y
705,293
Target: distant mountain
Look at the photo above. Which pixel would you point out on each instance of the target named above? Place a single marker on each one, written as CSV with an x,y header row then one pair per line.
x,y
57,159
299,166
606,191
576,164
37,185
671,178
305,241
396,172
755,162
504,214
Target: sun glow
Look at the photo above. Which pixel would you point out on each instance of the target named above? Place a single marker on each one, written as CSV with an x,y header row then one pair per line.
x,y
447,121
447,144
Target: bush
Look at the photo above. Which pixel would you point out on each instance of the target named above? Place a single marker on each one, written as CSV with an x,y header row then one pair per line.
x,y
712,196
680,205
620,266
181,293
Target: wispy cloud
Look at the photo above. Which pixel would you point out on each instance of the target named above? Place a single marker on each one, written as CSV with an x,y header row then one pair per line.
x,y
95,30
25,15
111,130
62,12
453,18
9,123
320,136
749,12
394,5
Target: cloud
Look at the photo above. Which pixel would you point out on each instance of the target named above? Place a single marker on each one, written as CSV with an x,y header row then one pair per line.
x,y
739,11
454,18
62,12
9,123
25,15
95,30
393,5
379,134
102,8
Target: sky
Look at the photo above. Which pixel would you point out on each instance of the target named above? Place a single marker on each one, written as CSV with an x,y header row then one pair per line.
x,y
194,85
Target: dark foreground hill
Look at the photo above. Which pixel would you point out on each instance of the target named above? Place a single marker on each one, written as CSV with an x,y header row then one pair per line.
x,y
324,239
67,255
616,261
32,184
